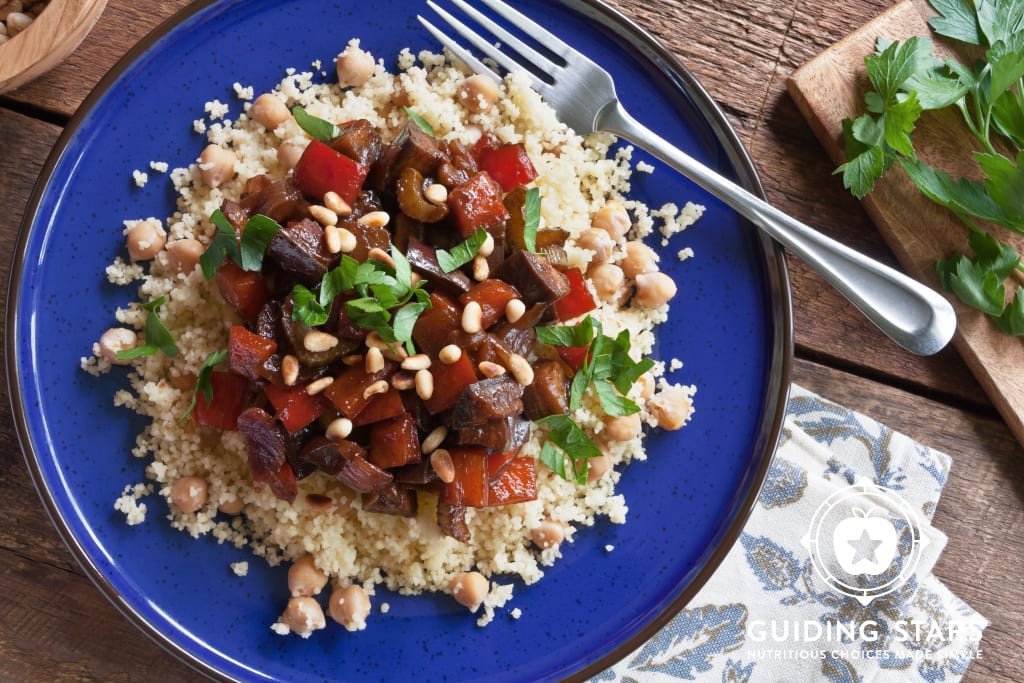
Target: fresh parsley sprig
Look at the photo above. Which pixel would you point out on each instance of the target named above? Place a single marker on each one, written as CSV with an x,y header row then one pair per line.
x,y
531,218
610,370
907,80
315,127
158,337
423,124
463,252
246,252
388,301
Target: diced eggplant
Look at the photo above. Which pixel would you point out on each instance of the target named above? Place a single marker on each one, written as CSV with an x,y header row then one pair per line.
x,y
452,520
548,394
359,141
392,500
300,248
517,340
533,275
295,332
267,454
488,399
497,436
415,474
367,237
278,200
416,149
434,326
423,259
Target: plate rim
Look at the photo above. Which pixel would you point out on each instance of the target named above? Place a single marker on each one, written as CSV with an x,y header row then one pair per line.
x,y
776,281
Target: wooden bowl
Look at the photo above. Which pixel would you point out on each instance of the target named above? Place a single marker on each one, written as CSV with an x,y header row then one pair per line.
x,y
49,39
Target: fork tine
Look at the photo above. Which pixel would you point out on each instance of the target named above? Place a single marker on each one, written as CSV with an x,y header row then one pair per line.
x,y
462,53
534,30
537,59
481,44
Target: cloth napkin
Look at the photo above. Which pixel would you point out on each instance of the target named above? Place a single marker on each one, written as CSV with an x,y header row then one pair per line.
x,y
769,613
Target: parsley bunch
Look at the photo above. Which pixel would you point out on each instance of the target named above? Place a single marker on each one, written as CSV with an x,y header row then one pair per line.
x,y
908,80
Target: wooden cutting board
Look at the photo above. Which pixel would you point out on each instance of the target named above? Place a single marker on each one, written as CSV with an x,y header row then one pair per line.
x,y
830,88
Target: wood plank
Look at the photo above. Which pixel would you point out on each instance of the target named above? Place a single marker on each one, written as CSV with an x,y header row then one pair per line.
x,y
981,508
829,88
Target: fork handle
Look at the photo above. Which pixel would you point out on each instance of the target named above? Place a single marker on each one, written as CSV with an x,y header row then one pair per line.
x,y
911,314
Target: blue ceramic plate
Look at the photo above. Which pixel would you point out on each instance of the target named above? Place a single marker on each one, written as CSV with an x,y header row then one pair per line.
x,y
730,325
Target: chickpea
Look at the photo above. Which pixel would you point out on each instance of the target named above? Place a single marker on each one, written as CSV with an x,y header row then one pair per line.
x,y
639,258
671,406
117,339
623,428
598,466
354,66
183,255
188,494
598,241
349,607
145,239
613,219
217,165
269,111
646,384
654,289
303,616
548,534
478,93
469,589
607,279
288,155
232,507
305,578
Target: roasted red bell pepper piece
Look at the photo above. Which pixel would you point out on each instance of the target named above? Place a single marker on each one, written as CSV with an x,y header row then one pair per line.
x,y
435,324
295,407
394,442
322,169
574,356
227,403
348,390
577,300
450,381
517,483
381,407
493,296
496,463
508,164
247,351
477,203
244,290
469,487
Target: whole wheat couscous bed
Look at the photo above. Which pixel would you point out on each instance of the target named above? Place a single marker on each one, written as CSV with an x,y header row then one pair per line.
x,y
337,548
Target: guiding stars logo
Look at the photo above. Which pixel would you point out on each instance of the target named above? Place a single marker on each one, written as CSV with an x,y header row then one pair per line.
x,y
864,541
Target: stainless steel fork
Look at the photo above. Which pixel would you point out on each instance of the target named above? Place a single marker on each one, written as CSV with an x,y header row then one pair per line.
x,y
583,94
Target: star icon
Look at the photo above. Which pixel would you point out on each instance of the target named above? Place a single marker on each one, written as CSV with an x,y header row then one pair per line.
x,y
864,547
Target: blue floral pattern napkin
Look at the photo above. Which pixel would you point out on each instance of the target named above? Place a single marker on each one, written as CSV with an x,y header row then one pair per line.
x,y
779,608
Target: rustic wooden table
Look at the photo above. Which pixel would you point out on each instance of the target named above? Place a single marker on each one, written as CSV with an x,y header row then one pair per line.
x,y
55,626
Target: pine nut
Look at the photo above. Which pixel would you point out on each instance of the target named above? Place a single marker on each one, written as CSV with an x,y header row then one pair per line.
x,y
403,381
352,359
392,351
449,354
514,310
489,369
378,254
441,462
434,439
332,237
487,248
424,384
375,219
472,317
378,387
339,429
374,360
481,269
323,215
521,369
316,341
436,194
290,370
346,240
420,361
334,202
315,387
